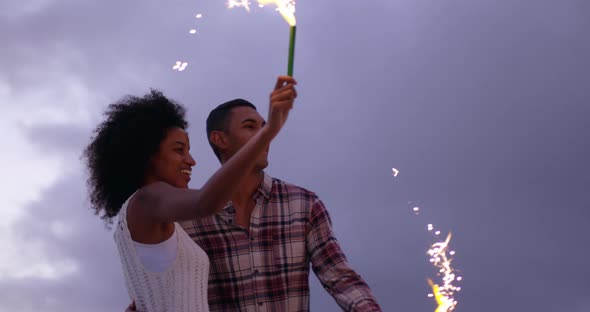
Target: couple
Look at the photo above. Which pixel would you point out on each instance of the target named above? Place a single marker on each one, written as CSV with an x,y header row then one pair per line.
x,y
243,242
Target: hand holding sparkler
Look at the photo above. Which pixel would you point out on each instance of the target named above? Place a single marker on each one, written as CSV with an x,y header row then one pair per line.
x,y
281,101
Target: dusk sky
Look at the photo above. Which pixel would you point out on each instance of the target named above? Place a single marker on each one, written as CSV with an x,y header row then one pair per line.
x,y
482,106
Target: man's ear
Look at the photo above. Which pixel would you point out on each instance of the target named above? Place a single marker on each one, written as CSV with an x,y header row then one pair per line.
x,y
218,139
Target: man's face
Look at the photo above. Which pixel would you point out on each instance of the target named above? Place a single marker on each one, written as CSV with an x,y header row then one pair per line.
x,y
243,124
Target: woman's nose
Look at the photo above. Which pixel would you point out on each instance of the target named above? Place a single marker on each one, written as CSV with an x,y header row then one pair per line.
x,y
191,160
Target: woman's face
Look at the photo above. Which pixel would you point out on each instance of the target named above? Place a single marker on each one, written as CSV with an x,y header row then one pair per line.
x,y
173,162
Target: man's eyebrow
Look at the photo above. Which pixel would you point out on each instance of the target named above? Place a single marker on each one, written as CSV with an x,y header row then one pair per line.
x,y
249,120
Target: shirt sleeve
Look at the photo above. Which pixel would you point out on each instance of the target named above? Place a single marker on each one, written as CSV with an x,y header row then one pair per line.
x,y
331,267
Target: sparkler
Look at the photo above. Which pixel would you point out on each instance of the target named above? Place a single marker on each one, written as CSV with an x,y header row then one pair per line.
x,y
287,10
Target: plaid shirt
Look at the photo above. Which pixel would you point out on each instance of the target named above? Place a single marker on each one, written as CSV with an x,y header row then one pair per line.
x,y
266,267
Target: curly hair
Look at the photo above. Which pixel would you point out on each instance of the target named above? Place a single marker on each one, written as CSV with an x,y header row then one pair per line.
x,y
119,154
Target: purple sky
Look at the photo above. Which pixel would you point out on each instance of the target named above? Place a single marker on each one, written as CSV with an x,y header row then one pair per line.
x,y
483,106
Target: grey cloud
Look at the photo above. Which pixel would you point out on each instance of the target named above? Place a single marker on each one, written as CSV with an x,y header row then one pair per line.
x,y
65,139
96,286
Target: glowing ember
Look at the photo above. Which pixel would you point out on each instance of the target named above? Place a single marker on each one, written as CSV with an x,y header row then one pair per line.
x,y
443,294
199,15
395,172
193,31
180,66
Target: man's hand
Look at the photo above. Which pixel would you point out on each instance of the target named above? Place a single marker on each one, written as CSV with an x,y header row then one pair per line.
x,y
281,101
131,307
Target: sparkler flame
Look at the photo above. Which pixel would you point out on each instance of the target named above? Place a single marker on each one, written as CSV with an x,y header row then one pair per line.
x,y
285,7
443,294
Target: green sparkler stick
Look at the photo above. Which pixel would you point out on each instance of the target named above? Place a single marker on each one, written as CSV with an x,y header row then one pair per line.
x,y
291,50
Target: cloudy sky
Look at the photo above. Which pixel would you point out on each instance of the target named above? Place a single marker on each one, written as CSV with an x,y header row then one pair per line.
x,y
483,106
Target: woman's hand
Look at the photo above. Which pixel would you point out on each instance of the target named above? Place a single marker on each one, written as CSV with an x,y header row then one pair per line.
x,y
281,102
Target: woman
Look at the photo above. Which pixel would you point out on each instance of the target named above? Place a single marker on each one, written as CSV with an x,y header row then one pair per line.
x,y
140,166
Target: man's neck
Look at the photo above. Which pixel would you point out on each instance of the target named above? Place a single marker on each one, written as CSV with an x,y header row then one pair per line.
x,y
247,189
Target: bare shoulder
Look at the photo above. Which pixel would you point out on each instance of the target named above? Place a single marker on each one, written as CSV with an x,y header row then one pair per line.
x,y
142,228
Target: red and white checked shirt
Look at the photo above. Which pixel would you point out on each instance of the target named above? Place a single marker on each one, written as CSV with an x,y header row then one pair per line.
x,y
266,267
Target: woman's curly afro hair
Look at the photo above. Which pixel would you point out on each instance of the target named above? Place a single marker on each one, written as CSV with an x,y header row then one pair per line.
x,y
119,154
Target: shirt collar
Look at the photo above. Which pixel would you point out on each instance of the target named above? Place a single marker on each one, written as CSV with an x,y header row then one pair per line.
x,y
265,187
263,190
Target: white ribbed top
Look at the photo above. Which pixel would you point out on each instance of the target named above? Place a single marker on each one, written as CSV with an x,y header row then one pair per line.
x,y
180,288
158,257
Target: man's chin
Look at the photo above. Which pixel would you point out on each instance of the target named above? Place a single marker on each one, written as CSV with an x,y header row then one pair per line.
x,y
261,165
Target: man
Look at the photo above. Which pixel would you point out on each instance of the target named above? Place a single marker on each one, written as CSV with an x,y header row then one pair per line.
x,y
261,245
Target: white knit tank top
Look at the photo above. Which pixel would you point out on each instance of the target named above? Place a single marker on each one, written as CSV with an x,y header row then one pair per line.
x,y
182,287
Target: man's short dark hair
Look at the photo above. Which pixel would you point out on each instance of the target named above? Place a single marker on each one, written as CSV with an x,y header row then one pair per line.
x,y
219,118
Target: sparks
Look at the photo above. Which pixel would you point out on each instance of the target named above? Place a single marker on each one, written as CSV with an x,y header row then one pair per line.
x,y
395,172
180,66
443,294
239,3
416,210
